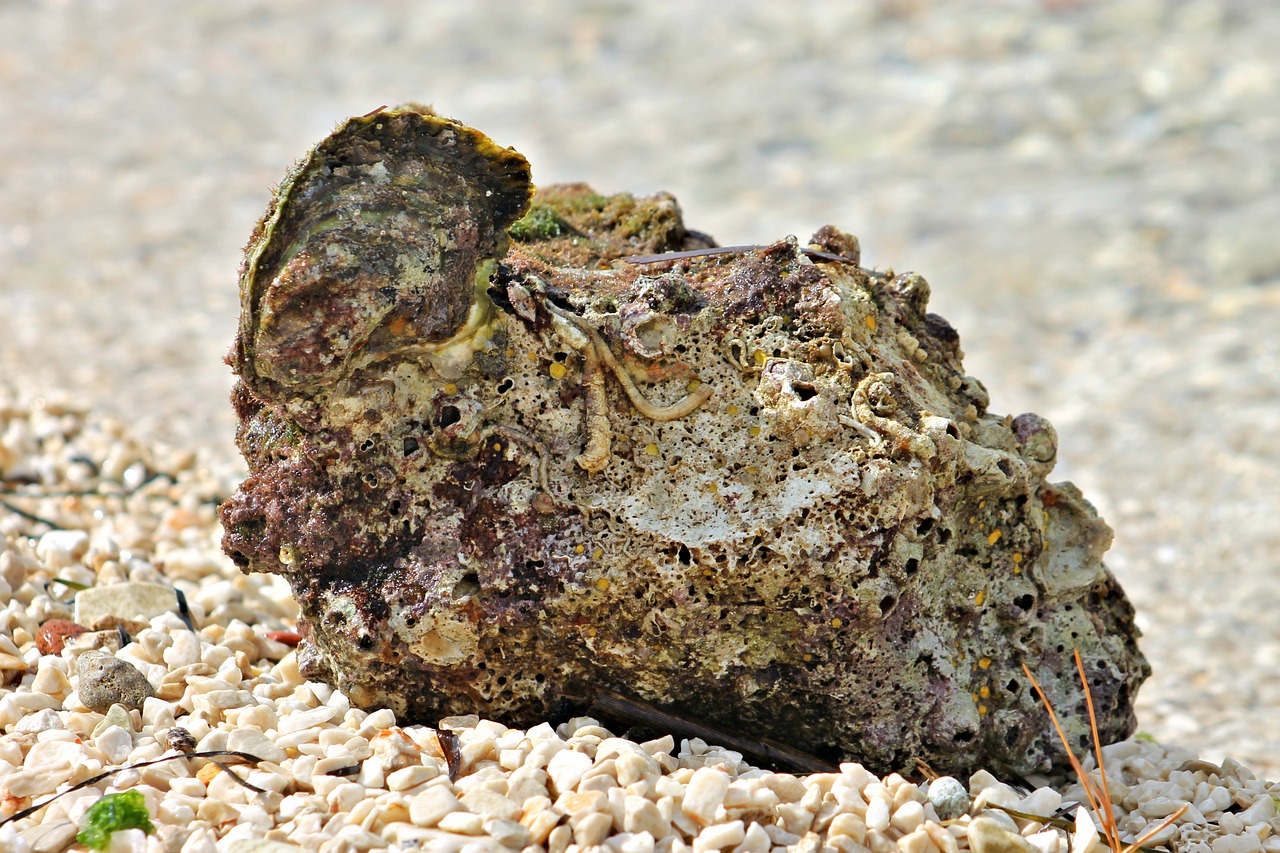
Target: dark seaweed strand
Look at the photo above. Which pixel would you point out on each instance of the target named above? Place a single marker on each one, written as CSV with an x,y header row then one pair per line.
x,y
211,754
184,612
29,516
634,711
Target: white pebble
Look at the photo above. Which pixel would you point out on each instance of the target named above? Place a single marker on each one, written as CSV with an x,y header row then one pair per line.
x,y
184,650
430,806
1262,810
719,836
755,840
850,825
1086,837
115,743
306,719
508,833
908,817
60,548
593,829
1247,843
877,817
704,794
988,835
463,823
566,769
344,797
1041,801
411,777
917,841
1046,841
641,814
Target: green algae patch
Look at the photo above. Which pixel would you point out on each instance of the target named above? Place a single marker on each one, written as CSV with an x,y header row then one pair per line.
x,y
111,814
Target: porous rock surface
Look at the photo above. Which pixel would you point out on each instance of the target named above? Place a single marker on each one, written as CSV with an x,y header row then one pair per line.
x,y
105,680
754,487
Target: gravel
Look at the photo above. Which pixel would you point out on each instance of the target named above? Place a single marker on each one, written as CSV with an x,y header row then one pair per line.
x,y
1089,187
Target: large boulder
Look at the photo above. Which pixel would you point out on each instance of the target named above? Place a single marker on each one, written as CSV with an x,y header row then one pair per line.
x,y
753,486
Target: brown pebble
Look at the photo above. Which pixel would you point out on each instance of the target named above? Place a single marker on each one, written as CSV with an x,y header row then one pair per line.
x,y
289,638
180,740
205,774
54,633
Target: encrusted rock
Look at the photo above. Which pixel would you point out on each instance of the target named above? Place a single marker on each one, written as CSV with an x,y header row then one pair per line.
x,y
105,680
754,485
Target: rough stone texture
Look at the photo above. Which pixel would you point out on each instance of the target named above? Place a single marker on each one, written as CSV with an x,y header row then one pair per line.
x,y
130,605
756,487
105,680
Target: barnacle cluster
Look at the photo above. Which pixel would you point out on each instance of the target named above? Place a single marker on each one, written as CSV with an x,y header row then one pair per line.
x,y
754,486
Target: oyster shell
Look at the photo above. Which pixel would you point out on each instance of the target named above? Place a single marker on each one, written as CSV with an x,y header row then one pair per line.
x,y
378,244
756,487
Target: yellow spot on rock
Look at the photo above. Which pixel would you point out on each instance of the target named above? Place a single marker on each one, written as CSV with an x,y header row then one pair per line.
x,y
693,385
651,449
597,553
837,622
983,663
731,409
760,357
980,597
591,632
579,549
753,431
712,488
807,657
871,322
451,388
557,370
602,584
994,537
1017,556
982,710
984,691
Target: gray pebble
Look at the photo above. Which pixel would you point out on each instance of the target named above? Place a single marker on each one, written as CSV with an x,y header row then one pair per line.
x,y
949,797
105,680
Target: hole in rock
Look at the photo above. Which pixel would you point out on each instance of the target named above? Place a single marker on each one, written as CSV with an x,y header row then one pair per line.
x,y
449,415
468,585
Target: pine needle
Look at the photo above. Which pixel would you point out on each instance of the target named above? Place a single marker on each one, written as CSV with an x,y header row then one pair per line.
x,y
1098,793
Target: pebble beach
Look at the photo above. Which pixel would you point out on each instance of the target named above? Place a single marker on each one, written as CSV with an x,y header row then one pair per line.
x,y
1088,187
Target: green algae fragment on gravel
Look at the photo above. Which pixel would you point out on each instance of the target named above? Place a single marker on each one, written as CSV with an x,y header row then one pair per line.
x,y
111,814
